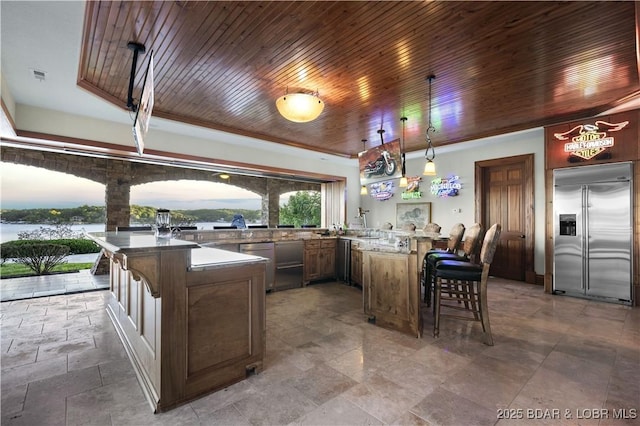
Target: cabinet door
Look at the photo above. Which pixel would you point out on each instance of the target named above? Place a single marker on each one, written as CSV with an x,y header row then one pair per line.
x,y
311,270
327,259
391,292
356,267
328,263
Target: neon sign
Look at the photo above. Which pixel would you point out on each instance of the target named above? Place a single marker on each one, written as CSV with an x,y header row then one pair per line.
x,y
589,140
413,188
446,187
382,191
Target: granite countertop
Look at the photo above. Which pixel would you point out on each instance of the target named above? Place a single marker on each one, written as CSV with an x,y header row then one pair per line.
x,y
206,258
131,242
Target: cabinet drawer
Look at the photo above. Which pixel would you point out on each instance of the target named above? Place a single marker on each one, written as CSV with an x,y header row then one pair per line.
x,y
328,244
312,244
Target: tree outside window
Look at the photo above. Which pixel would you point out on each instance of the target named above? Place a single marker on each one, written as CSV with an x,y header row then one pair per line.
x,y
302,208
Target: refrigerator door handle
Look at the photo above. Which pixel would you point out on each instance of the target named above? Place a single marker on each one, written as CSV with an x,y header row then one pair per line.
x,y
585,237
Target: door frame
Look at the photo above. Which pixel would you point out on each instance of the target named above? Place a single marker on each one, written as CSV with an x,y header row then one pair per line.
x,y
526,160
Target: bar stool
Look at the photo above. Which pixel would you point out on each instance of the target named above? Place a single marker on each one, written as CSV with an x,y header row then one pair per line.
x,y
432,228
458,281
470,248
455,237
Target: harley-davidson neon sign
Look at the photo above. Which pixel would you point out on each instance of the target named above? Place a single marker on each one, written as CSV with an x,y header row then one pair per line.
x,y
589,140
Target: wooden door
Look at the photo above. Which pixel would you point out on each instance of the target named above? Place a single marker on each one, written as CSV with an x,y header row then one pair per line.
x,y
504,192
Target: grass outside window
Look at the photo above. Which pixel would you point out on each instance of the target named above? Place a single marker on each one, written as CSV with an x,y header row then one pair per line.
x,y
13,270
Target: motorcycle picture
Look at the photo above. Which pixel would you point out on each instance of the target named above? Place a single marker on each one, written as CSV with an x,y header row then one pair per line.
x,y
384,165
380,163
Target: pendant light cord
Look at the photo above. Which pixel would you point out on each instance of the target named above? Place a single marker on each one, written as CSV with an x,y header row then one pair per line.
x,y
380,132
430,128
404,169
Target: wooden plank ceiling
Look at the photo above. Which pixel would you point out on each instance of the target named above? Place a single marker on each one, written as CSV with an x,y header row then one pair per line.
x,y
499,66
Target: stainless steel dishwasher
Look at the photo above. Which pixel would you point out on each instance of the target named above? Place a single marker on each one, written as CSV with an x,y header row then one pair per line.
x,y
289,263
264,250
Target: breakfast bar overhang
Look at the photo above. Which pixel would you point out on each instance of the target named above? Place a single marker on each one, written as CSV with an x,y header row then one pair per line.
x,y
191,319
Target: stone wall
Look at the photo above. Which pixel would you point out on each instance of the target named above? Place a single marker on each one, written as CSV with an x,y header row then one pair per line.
x,y
119,176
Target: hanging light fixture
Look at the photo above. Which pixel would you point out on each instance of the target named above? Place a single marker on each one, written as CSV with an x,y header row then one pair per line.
x,y
403,179
430,154
300,107
363,188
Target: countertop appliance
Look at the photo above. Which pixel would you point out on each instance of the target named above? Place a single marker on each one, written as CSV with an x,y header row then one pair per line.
x,y
289,264
264,250
343,261
593,231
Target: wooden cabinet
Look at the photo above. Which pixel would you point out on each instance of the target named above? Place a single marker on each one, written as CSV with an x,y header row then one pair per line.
x,y
356,265
319,260
391,292
187,330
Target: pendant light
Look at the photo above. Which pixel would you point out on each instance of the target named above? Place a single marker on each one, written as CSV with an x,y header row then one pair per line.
x,y
363,188
430,153
403,179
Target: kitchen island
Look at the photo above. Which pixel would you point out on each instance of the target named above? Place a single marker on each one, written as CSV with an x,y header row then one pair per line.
x,y
391,276
191,319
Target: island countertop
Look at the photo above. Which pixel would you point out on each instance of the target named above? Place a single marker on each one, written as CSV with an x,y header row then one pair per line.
x,y
208,258
130,242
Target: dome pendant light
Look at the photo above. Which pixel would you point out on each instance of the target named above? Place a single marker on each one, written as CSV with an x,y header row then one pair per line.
x,y
430,154
403,180
300,107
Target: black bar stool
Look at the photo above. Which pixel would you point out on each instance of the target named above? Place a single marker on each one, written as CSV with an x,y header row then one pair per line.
x,y
455,237
470,248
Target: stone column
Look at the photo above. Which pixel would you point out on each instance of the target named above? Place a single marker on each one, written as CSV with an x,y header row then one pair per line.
x,y
271,203
117,194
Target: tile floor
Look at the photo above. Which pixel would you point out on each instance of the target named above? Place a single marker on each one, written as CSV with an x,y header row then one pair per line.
x,y
50,285
62,364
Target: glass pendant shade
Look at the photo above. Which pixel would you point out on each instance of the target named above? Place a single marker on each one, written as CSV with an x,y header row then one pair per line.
x,y
403,182
363,190
429,168
300,107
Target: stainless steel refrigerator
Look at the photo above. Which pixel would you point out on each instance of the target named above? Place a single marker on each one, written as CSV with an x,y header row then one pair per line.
x,y
593,239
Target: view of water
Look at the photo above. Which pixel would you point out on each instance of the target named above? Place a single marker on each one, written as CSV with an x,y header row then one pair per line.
x,y
9,231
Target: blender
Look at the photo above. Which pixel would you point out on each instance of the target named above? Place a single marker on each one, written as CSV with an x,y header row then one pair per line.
x,y
163,224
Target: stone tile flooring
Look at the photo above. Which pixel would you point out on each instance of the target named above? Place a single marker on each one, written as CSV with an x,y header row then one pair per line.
x,y
50,285
556,360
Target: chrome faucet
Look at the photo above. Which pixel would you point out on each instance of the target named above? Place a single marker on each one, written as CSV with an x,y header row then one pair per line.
x,y
362,214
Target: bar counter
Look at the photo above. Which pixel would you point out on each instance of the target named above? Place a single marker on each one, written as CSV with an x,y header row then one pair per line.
x,y
391,279
191,319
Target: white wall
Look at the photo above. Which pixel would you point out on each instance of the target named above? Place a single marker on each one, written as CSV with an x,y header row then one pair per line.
x,y
459,160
